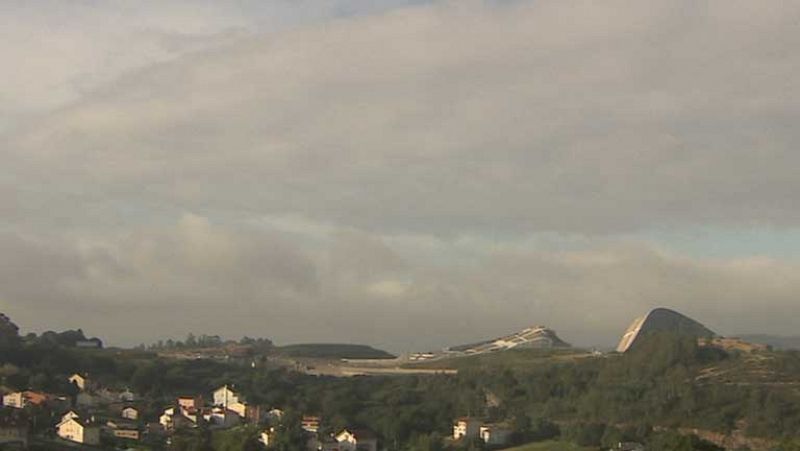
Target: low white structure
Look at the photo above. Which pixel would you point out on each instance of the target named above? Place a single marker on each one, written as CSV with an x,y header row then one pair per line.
x,y
15,400
310,423
130,413
357,440
495,434
466,427
629,446
21,399
78,431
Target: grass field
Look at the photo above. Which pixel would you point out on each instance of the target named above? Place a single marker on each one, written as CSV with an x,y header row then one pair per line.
x,y
550,445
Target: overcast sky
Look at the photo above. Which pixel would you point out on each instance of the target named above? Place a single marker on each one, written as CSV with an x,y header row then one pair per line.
x,y
407,174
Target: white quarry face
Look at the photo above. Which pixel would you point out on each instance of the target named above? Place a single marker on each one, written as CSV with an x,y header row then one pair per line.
x,y
662,319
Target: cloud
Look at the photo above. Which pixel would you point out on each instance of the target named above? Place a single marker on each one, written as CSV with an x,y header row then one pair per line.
x,y
562,116
196,276
464,167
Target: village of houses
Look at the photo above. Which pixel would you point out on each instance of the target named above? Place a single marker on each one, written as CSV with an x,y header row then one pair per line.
x,y
97,416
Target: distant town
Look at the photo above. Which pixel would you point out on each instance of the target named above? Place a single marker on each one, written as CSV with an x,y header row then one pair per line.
x,y
319,397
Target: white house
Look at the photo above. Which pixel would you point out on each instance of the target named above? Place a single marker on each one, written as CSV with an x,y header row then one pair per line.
x,y
225,397
495,434
357,440
19,400
15,400
79,380
70,415
466,427
78,431
130,413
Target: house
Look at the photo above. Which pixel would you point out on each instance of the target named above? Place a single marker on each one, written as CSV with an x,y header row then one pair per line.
x,y
222,418
190,402
495,434
176,417
357,440
225,397
79,380
123,429
310,423
267,436
19,400
79,431
246,411
166,420
274,416
127,433
69,415
466,427
129,413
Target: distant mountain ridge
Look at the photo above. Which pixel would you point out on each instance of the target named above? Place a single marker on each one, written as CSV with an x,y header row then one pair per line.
x,y
776,341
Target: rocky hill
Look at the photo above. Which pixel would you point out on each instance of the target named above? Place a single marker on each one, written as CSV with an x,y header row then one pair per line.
x,y
539,337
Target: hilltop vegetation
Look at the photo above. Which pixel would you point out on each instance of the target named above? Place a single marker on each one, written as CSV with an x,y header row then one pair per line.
x,y
516,359
661,385
776,341
333,351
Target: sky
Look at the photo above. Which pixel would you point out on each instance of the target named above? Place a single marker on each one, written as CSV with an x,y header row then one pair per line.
x,y
405,174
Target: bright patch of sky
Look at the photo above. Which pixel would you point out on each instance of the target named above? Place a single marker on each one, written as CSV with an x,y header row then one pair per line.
x,y
729,242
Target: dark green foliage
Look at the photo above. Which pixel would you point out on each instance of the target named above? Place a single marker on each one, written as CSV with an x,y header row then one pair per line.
x,y
593,401
333,351
672,441
585,434
288,435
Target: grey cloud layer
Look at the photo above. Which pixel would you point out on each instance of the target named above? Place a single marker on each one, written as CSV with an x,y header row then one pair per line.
x,y
455,120
556,115
196,276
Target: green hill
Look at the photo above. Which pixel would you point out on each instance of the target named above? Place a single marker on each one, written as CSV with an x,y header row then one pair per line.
x,y
333,351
